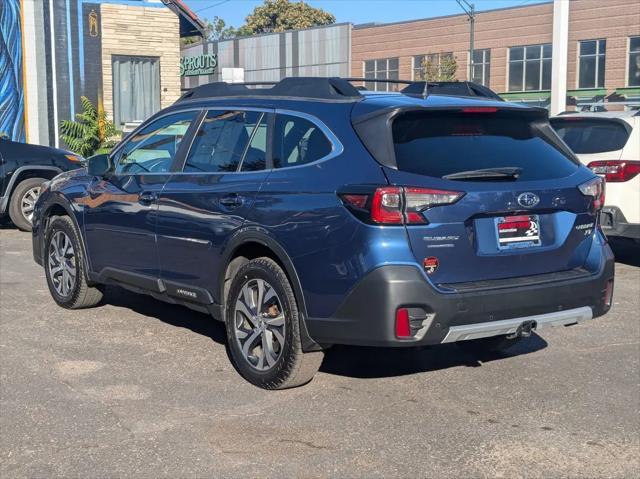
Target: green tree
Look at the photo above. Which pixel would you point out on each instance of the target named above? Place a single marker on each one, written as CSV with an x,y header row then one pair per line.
x,y
440,67
281,15
90,133
215,30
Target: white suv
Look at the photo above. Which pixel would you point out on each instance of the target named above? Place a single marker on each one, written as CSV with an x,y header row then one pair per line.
x,y
609,144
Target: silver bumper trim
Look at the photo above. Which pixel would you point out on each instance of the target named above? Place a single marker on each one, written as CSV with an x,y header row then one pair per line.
x,y
510,326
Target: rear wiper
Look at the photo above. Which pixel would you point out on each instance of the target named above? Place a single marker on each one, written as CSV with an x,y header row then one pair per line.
x,y
506,173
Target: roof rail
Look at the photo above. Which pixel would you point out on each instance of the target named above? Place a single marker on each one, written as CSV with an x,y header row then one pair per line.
x,y
317,88
334,89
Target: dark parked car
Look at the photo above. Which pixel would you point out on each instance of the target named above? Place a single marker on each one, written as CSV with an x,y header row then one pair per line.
x,y
23,169
312,213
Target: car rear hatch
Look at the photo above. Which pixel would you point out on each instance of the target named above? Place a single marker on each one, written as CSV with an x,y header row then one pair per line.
x,y
592,138
489,193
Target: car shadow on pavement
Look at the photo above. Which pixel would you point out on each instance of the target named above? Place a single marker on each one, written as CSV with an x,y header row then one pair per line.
x,y
626,251
351,361
364,362
173,314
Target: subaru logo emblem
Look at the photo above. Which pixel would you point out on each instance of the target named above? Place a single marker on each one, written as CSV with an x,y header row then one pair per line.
x,y
528,200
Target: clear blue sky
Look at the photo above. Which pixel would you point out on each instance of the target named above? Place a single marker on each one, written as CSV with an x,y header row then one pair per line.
x,y
356,11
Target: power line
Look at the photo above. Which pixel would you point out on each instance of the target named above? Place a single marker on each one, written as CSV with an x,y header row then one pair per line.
x,y
211,6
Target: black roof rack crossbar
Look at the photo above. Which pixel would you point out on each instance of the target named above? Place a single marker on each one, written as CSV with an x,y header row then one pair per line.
x,y
318,88
335,89
453,88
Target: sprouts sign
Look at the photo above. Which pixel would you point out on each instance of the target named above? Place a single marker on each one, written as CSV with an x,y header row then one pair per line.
x,y
198,65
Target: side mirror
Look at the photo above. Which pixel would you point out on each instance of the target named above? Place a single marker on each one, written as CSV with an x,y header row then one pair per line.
x,y
99,165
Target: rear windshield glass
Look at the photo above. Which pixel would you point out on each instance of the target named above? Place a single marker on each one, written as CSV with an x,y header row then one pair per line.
x,y
591,136
442,143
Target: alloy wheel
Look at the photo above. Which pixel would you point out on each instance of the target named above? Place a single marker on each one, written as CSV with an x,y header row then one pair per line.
x,y
259,324
28,202
62,263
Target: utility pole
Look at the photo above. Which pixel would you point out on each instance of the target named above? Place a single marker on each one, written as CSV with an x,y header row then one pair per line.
x,y
470,10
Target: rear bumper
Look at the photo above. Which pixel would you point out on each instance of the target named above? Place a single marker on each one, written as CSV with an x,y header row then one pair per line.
x,y
367,315
613,223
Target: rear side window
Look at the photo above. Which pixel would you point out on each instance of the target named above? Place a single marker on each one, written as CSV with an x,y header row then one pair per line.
x,y
591,136
222,141
443,142
298,141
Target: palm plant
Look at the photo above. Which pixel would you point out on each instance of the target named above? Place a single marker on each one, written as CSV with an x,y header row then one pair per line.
x,y
91,132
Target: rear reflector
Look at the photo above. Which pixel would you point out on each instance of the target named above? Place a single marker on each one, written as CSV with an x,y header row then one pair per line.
x,y
403,325
615,171
608,293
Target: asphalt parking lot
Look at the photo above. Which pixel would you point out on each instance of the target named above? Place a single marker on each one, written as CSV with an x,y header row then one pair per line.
x,y
139,388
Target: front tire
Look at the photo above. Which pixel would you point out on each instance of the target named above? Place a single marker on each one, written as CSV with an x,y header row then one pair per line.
x,y
263,329
23,201
65,267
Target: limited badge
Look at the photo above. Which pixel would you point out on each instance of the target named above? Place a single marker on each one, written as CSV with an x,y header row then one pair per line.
x,y
430,264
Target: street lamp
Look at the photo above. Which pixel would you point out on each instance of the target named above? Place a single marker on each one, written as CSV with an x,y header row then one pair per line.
x,y
470,10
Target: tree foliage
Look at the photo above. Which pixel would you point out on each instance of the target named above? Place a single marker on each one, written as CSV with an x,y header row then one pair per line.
x,y
440,67
215,30
282,15
90,133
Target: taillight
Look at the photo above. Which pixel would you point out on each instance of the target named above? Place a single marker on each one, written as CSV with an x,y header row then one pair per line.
x,y
594,188
386,207
395,205
615,171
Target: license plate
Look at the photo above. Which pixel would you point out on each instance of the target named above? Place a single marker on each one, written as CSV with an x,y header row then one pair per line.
x,y
518,231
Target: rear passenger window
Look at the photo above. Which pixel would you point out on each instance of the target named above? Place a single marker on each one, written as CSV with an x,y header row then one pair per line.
x,y
297,142
222,141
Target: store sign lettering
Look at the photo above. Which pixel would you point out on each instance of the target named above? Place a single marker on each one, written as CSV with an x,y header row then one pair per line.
x,y
199,65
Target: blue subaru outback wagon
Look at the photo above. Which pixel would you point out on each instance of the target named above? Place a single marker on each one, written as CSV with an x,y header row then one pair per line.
x,y
313,213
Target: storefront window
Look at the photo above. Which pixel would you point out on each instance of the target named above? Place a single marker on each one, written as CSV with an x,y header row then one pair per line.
x,y
591,65
384,69
481,66
436,62
530,68
634,61
136,88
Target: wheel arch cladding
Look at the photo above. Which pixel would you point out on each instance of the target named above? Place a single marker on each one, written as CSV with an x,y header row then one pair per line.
x,y
254,245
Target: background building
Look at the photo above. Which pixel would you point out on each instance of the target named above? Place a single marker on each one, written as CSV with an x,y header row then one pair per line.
x,y
320,51
124,55
513,50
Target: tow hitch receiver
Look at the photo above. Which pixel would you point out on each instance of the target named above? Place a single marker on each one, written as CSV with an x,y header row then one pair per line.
x,y
524,330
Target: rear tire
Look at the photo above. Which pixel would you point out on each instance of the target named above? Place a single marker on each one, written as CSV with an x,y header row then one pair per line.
x,y
22,202
263,329
64,266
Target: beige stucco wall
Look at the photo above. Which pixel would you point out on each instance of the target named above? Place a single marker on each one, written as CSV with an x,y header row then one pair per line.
x,y
141,31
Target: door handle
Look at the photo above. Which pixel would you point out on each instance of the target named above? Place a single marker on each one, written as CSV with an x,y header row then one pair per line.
x,y
147,197
231,201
